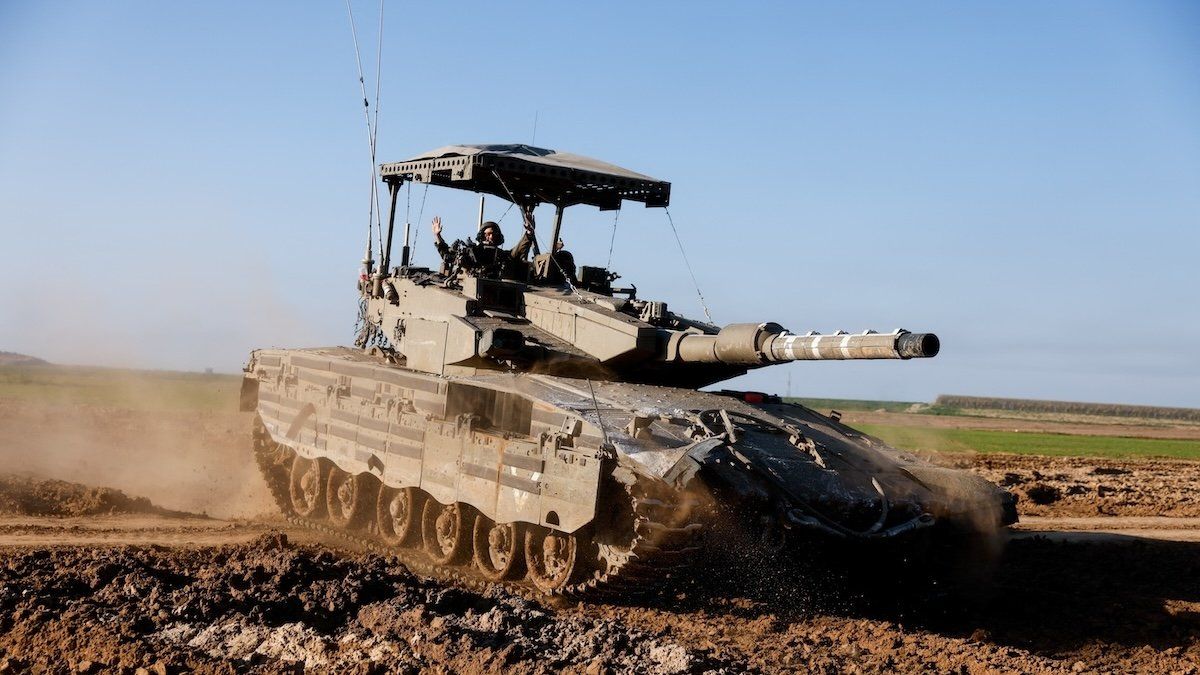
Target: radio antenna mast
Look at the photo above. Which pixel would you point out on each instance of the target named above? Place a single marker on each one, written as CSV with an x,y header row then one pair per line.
x,y
374,219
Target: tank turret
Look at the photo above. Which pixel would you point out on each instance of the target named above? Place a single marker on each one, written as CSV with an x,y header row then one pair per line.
x,y
469,319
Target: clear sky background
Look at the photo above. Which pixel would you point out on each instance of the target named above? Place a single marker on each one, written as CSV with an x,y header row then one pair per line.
x,y
183,182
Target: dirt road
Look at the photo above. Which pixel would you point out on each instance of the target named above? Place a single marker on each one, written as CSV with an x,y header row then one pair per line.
x,y
100,580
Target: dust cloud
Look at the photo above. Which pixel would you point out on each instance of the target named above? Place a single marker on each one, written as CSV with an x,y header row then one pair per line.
x,y
183,460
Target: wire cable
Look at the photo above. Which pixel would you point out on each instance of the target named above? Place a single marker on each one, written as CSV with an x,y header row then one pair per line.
x,y
537,246
500,220
688,264
613,240
599,416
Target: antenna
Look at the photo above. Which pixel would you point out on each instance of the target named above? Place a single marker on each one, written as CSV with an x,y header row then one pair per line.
x,y
373,216
535,121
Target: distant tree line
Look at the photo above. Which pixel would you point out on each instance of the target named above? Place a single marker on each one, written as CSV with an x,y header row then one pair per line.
x,y
1069,407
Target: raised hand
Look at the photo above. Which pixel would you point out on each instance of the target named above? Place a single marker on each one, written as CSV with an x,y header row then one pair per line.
x,y
437,226
527,216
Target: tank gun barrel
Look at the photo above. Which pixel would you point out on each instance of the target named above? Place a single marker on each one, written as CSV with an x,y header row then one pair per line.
x,y
760,344
900,344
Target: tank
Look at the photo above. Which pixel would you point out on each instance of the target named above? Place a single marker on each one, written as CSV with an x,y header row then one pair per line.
x,y
534,424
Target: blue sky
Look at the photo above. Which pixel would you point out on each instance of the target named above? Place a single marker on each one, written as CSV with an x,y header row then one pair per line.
x,y
182,182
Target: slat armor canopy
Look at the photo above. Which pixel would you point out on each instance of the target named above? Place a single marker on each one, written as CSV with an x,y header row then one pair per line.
x,y
528,175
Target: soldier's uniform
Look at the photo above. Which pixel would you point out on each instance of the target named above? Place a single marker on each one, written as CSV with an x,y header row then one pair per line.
x,y
487,260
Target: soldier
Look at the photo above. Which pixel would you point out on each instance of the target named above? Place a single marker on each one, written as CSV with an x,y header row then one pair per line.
x,y
564,262
486,257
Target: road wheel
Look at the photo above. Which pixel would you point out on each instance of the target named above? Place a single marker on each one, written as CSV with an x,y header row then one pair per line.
x,y
349,499
398,514
307,488
554,559
444,531
498,550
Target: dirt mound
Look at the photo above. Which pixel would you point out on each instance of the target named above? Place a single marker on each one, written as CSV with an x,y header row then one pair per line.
x,y
1080,486
30,496
269,606
15,359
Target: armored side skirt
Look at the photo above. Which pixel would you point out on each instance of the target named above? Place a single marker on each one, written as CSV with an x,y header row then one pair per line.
x,y
512,458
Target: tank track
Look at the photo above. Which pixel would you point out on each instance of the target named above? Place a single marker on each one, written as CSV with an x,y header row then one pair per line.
x,y
667,535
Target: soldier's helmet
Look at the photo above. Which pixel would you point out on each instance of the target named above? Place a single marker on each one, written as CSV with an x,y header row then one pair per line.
x,y
498,236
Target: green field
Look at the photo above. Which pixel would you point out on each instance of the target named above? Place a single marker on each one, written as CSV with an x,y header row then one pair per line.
x,y
852,405
974,440
117,388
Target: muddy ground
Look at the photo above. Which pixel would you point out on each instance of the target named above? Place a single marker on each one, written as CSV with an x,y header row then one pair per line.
x,y
111,580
